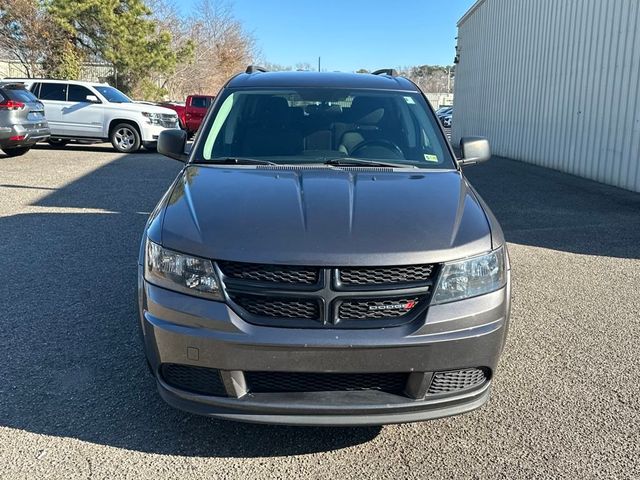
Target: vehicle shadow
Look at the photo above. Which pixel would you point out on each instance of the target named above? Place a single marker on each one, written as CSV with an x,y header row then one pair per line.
x,y
545,208
88,147
74,365
73,361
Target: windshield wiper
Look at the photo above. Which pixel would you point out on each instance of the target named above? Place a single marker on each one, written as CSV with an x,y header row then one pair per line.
x,y
351,161
239,161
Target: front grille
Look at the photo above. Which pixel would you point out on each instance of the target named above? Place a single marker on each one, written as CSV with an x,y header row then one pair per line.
x,y
271,273
447,382
294,296
168,120
273,382
388,308
362,276
278,307
205,381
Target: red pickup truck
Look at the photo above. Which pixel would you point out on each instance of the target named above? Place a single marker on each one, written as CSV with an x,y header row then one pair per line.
x,y
192,112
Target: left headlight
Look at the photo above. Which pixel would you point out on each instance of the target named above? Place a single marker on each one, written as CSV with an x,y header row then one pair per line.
x,y
471,277
179,272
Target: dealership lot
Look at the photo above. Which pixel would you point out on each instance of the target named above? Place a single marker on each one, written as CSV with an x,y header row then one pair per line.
x,y
76,400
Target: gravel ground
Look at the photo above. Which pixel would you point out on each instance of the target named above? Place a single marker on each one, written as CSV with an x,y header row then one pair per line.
x,y
76,400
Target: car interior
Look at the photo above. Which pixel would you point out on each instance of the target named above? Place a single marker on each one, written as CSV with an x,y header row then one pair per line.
x,y
361,125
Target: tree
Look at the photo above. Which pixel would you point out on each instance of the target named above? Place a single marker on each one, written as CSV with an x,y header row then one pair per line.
x,y
431,78
221,46
29,33
120,32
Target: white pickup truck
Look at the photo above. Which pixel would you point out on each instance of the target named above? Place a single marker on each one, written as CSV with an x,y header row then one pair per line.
x,y
88,111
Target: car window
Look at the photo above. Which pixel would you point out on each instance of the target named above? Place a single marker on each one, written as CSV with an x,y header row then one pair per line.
x,y
312,125
19,95
35,89
78,93
53,91
113,95
200,102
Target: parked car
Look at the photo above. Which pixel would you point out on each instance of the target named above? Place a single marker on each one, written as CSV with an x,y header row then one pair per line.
x,y
444,110
88,112
445,114
323,265
22,120
192,112
446,119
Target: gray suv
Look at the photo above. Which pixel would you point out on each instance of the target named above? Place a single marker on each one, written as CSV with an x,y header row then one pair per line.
x,y
322,260
22,120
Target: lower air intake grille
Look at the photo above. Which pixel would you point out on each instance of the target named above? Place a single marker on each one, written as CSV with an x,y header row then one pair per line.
x,y
279,307
447,382
389,308
273,382
205,381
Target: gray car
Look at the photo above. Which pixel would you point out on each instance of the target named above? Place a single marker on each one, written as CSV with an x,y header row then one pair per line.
x,y
322,260
22,120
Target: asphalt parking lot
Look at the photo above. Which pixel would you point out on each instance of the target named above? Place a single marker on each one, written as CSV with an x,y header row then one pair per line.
x,y
76,400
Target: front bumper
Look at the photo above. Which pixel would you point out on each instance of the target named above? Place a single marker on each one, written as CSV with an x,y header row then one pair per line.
x,y
184,330
23,135
150,133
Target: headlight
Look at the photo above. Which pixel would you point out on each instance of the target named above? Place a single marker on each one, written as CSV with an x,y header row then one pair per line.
x,y
180,272
152,118
471,277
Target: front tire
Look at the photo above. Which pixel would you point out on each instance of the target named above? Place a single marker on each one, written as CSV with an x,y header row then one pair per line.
x,y
15,151
125,138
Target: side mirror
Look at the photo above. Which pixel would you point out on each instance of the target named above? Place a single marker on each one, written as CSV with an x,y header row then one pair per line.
x,y
474,150
93,99
171,143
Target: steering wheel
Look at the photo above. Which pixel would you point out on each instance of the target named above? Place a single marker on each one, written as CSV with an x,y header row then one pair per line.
x,y
387,145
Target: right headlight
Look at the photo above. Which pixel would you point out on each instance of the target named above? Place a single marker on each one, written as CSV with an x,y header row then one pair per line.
x,y
180,272
471,277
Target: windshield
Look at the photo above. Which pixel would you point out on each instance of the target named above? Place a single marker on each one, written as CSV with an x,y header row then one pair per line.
x,y
19,94
113,95
316,125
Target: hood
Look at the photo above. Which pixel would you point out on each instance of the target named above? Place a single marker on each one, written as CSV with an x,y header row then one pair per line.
x,y
324,216
140,107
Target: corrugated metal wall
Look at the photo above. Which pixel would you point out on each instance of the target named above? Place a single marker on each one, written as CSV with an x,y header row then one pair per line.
x,y
555,83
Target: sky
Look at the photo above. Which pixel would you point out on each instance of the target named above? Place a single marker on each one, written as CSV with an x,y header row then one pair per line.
x,y
351,34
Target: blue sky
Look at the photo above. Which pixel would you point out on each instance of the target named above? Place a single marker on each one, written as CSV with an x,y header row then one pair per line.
x,y
352,34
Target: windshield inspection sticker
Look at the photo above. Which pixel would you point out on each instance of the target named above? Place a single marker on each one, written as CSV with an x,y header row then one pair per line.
x,y
409,100
431,158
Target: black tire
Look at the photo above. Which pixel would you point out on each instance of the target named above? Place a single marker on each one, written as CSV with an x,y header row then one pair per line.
x,y
15,151
150,147
58,142
125,138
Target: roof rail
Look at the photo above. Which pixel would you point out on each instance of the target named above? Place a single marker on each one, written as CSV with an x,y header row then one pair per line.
x,y
254,69
386,71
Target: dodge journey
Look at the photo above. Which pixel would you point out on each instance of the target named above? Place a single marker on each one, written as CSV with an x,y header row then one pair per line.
x,y
321,258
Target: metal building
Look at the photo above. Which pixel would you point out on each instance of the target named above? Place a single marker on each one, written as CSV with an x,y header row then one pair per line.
x,y
554,83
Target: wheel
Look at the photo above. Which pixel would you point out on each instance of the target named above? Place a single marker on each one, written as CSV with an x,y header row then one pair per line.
x,y
125,138
58,142
15,151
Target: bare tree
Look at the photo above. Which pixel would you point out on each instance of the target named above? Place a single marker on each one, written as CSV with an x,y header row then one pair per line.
x,y
222,47
431,78
26,33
